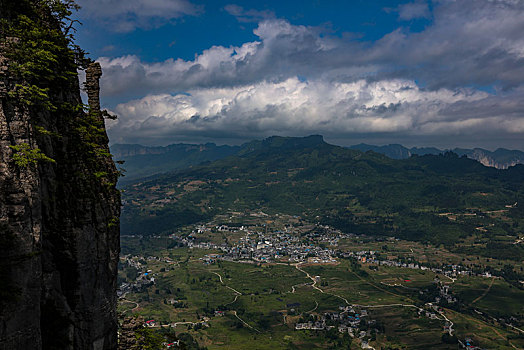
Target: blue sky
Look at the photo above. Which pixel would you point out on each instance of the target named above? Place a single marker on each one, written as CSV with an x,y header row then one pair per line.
x,y
442,73
214,25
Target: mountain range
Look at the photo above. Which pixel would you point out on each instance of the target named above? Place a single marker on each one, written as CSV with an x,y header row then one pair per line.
x,y
355,191
501,158
143,161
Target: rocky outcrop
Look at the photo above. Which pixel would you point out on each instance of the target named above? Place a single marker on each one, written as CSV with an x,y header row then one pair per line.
x,y
130,338
59,210
500,158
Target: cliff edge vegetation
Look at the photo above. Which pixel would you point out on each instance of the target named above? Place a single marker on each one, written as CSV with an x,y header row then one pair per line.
x,y
59,207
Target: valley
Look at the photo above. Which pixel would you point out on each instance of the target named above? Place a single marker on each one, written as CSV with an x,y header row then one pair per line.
x,y
296,243
282,282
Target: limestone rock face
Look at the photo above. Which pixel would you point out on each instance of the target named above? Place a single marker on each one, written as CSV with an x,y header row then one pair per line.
x,y
129,339
59,228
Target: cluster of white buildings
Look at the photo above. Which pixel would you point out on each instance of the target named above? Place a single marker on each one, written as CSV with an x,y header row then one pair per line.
x,y
346,320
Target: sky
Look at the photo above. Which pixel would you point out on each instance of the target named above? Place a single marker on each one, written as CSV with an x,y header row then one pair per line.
x,y
443,73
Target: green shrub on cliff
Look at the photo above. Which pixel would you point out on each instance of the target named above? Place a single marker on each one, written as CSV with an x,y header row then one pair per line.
x,y
41,57
24,155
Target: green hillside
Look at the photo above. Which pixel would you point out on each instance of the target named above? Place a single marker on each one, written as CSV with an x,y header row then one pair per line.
x,y
442,199
140,161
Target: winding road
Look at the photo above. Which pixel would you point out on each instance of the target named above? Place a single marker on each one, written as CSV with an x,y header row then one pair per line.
x,y
298,285
371,306
314,285
245,323
485,292
237,293
132,302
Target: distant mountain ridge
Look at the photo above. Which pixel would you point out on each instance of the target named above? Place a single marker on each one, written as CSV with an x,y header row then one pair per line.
x,y
501,158
144,161
355,191
130,150
282,143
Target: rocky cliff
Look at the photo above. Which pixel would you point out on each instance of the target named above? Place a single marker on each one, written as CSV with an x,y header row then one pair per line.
x,y
501,158
59,208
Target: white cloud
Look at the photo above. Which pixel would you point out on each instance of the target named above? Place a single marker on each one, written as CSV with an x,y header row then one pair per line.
x,y
468,43
294,107
419,9
127,15
344,86
283,50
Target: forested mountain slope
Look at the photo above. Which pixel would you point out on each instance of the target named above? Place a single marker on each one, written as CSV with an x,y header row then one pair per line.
x,y
418,198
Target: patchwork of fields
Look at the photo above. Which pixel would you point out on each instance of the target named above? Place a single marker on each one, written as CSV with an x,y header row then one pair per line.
x,y
239,305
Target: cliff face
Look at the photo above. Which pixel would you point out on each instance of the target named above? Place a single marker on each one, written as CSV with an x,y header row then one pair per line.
x,y
500,158
59,210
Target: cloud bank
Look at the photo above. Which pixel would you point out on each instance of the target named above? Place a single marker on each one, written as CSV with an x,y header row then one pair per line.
x,y
295,80
294,107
